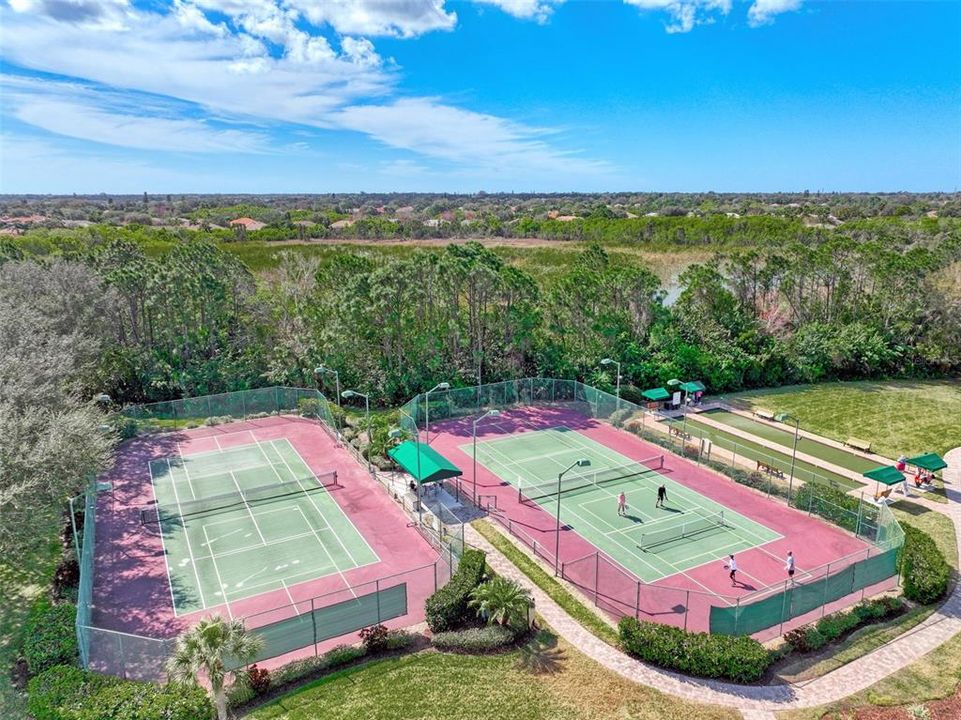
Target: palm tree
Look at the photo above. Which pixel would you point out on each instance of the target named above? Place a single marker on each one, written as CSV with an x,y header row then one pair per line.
x,y
206,649
502,601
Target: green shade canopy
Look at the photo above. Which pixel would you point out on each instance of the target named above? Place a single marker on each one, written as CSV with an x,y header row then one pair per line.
x,y
434,467
886,474
693,386
655,394
928,461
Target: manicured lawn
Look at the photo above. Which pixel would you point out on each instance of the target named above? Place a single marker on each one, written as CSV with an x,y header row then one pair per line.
x,y
909,416
565,685
938,526
21,582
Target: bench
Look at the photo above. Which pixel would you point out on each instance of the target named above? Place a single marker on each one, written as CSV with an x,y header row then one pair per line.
x,y
679,432
769,469
764,414
882,496
858,444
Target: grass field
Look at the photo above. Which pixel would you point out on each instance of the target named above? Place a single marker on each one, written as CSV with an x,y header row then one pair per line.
x,y
909,416
755,451
433,685
21,582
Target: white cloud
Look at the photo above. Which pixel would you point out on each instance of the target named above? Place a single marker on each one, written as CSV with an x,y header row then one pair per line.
x,y
461,136
235,71
539,10
685,13
394,18
762,12
82,112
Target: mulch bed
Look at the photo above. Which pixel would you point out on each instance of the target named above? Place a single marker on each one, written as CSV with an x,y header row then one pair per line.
x,y
947,709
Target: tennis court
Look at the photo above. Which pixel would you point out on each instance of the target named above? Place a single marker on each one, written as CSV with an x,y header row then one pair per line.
x,y
652,542
245,519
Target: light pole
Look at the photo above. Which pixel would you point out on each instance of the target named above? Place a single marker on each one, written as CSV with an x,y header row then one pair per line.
x,y
321,369
781,417
583,462
353,393
609,361
489,413
438,386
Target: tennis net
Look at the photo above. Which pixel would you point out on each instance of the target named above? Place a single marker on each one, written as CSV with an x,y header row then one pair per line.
x,y
694,526
165,512
598,478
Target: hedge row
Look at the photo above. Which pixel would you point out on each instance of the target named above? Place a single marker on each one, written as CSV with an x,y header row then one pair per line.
x,y
833,626
741,659
448,608
925,571
50,636
479,639
65,692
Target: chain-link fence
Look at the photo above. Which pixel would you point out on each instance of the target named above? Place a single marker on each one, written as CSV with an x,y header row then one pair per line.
x,y
286,627
618,591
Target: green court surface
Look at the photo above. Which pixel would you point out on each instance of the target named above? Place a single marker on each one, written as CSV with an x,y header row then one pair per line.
x,y
785,438
755,451
650,542
246,520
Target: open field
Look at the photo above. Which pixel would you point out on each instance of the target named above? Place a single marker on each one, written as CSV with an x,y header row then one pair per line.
x,y
495,687
909,416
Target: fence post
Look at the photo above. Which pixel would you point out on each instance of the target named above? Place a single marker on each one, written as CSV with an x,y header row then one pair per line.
x,y
783,608
123,660
857,528
313,623
377,593
827,574
737,613
687,608
597,573
637,602
734,456
435,575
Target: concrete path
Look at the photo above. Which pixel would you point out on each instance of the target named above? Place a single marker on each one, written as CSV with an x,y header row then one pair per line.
x,y
760,702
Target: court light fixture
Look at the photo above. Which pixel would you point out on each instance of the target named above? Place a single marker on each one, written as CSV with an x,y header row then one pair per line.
x,y
490,413
438,386
582,462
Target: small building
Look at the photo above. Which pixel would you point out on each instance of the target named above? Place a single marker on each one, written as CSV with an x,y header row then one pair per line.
x,y
248,223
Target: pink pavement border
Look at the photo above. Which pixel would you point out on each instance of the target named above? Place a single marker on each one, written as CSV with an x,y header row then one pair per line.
x,y
131,588
814,541
760,702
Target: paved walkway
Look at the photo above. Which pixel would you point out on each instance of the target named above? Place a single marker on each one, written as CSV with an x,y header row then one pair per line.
x,y
760,702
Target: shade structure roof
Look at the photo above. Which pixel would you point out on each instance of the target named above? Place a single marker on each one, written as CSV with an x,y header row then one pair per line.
x,y
928,461
693,386
886,474
656,394
430,467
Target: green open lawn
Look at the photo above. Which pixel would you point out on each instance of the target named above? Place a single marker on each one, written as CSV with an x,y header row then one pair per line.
x,y
909,416
548,679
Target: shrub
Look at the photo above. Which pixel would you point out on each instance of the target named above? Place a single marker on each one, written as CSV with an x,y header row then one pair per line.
x,y
146,701
833,626
741,659
258,679
55,690
308,407
619,417
66,577
399,640
51,636
472,640
340,655
925,571
375,638
448,607
833,504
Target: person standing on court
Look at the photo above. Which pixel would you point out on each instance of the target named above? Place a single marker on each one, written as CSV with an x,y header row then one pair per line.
x,y
661,496
731,565
622,503
789,565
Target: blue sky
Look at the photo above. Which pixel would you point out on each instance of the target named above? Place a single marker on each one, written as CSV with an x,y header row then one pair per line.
x,y
498,95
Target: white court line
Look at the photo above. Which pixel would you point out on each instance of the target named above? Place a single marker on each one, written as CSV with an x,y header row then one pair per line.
x,y
183,464
343,577
292,601
163,542
249,511
190,551
220,582
628,550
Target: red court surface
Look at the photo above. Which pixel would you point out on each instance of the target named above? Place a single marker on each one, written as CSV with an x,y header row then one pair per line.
x,y
131,590
683,599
